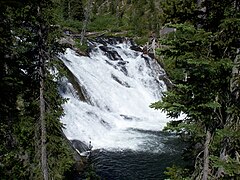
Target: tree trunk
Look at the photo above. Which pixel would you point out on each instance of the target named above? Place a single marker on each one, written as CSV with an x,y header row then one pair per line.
x,y
69,9
206,156
43,124
235,80
154,46
232,120
87,15
223,157
44,166
117,11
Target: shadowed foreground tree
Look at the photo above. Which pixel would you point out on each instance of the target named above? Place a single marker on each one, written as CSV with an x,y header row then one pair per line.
x,y
204,54
33,146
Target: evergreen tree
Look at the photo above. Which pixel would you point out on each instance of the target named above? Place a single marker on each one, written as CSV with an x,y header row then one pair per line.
x,y
206,53
73,9
28,49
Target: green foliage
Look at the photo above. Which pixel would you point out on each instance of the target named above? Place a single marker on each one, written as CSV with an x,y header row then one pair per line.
x,y
91,174
141,41
230,166
73,10
58,148
72,25
177,173
194,93
19,80
200,58
139,18
101,23
82,47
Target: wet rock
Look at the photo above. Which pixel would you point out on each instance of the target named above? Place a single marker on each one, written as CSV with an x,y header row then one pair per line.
x,y
147,60
126,117
120,82
151,55
130,118
145,50
104,48
136,48
67,41
167,81
110,53
110,40
105,124
167,30
79,145
122,62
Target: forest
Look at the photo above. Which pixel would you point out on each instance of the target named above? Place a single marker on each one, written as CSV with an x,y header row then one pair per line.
x,y
201,58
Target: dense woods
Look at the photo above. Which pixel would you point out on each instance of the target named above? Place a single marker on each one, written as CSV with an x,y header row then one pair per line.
x,y
201,57
32,145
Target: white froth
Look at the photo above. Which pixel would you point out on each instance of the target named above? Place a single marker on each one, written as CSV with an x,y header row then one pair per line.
x,y
116,110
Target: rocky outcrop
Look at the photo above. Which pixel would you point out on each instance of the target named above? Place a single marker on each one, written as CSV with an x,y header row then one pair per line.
x,y
79,90
110,53
67,41
167,81
79,146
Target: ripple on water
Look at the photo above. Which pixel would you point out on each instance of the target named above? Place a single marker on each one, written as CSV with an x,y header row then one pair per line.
x,y
139,165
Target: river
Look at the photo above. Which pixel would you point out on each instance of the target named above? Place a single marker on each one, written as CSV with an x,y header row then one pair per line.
x,y
118,84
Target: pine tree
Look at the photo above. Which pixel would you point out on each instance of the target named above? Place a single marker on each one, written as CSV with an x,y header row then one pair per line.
x,y
73,9
28,50
205,52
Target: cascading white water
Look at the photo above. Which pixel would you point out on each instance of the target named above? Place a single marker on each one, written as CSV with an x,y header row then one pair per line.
x,y
119,91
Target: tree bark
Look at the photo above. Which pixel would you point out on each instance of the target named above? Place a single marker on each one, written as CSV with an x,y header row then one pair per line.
x,y
43,124
223,157
235,80
69,9
232,120
41,57
117,11
206,156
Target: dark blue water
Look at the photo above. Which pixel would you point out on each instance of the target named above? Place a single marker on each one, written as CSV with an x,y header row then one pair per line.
x,y
139,165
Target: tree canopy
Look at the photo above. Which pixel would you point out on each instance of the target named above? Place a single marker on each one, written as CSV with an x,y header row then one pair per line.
x,y
202,57
28,51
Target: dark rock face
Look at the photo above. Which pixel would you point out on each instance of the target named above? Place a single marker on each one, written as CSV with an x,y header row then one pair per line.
x,y
129,118
110,53
80,146
110,40
147,60
167,81
136,48
122,62
151,55
117,61
167,30
80,90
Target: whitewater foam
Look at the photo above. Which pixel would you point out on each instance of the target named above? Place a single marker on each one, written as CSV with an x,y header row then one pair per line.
x,y
119,94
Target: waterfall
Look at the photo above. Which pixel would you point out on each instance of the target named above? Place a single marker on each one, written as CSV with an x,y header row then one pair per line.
x,y
118,85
